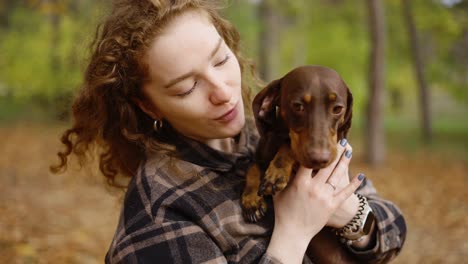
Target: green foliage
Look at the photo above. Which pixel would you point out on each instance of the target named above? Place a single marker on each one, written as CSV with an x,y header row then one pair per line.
x,y
441,32
335,34
243,14
43,65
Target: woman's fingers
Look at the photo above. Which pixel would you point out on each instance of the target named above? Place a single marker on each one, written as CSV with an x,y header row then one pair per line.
x,y
303,174
339,177
347,191
326,172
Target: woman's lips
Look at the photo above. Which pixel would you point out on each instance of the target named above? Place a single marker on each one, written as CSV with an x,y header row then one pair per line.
x,y
229,115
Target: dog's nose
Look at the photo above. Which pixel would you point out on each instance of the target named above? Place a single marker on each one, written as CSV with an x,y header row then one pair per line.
x,y
319,157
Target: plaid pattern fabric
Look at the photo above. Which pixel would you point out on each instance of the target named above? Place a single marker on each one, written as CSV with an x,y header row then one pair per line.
x,y
187,210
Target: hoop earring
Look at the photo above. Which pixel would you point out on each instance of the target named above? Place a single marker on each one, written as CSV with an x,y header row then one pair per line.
x,y
157,125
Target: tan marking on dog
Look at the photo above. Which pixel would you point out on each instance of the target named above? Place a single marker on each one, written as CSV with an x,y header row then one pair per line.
x,y
333,147
307,98
332,97
294,139
251,202
278,162
334,137
341,120
253,179
278,172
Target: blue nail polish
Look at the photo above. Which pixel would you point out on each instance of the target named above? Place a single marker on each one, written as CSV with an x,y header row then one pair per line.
x,y
343,142
360,177
348,153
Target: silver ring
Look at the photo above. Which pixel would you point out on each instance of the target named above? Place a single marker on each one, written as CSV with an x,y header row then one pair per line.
x,y
333,186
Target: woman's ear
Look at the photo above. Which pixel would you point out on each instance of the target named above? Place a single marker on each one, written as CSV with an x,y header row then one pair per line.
x,y
147,108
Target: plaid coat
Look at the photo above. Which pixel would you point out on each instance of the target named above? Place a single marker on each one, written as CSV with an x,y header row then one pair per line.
x,y
187,210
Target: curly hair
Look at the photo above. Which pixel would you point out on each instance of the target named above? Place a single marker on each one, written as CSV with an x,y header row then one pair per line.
x,y
105,118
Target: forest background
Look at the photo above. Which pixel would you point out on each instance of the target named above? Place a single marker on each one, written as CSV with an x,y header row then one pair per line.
x,y
406,63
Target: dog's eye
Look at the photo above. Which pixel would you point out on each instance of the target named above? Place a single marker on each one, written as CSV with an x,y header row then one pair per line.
x,y
298,107
338,109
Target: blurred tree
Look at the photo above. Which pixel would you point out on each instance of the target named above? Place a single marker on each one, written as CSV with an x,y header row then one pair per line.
x,y
42,53
54,17
282,37
268,40
459,52
375,132
333,33
294,19
419,70
440,26
5,8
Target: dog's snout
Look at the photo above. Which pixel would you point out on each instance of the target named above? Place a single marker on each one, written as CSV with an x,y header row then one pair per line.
x,y
319,158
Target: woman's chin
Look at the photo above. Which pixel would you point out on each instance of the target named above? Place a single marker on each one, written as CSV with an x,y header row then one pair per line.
x,y
232,129
238,125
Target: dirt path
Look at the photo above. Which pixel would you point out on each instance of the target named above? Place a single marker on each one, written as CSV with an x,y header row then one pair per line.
x,y
70,218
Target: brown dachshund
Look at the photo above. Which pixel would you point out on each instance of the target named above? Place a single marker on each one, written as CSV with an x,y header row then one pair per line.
x,y
300,119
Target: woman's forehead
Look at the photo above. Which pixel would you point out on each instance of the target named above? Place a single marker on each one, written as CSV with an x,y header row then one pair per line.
x,y
185,43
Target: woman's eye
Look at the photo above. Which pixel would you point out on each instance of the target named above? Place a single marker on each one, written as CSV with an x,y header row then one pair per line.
x,y
189,91
223,61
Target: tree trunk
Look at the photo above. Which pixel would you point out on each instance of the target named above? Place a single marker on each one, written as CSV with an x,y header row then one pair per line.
x,y
56,101
268,40
300,25
54,20
5,9
419,70
375,131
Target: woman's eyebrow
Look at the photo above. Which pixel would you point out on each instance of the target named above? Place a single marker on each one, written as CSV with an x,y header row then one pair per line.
x,y
218,45
186,75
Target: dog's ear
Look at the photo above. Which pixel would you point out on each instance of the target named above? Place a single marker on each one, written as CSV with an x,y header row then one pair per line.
x,y
264,106
343,129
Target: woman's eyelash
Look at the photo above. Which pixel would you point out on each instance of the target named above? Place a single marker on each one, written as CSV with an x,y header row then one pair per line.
x,y
195,84
189,91
223,61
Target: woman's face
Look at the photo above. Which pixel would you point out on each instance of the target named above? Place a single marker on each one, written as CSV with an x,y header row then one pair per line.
x,y
195,80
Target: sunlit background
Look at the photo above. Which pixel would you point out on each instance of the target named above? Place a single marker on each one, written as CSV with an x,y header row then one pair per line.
x,y
422,147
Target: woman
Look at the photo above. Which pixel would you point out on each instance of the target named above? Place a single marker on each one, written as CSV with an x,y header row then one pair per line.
x,y
163,98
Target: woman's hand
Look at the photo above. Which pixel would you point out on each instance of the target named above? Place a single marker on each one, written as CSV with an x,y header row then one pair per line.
x,y
302,209
340,179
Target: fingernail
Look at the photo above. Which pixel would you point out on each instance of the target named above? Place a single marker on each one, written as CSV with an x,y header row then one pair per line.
x,y
348,153
360,177
343,142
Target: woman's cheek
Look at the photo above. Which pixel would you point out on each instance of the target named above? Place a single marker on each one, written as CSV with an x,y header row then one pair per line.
x,y
187,109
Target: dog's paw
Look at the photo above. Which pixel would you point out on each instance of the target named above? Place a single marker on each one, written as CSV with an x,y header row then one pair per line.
x,y
274,181
253,207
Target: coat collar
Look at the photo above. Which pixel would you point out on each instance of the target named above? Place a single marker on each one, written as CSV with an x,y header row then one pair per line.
x,y
203,155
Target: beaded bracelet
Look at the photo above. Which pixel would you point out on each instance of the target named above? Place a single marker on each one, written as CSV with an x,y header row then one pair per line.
x,y
353,231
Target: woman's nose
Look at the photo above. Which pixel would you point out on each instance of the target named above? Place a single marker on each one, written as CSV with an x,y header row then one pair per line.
x,y
220,92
